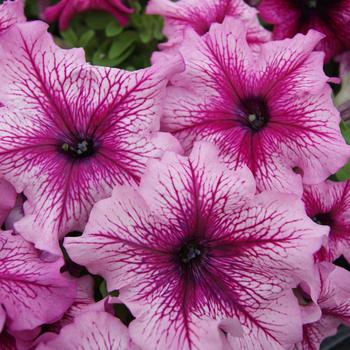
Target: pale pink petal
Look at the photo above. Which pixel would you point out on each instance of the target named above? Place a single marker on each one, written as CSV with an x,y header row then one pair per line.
x,y
276,326
32,291
92,331
8,197
11,12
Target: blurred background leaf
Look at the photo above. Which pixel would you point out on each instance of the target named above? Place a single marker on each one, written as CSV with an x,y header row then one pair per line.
x,y
105,42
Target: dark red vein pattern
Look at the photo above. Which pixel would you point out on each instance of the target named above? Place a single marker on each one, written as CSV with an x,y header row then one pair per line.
x,y
299,126
53,102
32,291
195,246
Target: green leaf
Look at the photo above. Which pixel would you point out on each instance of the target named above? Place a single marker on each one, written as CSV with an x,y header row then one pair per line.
x,y
113,29
70,37
125,55
103,289
98,20
86,38
344,173
121,43
345,129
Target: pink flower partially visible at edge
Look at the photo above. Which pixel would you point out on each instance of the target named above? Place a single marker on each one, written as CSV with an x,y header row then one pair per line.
x,y
201,14
65,10
330,17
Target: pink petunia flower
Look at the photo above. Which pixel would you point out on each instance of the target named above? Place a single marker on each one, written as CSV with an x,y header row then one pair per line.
x,y
194,249
330,17
11,12
334,305
272,112
92,330
328,204
65,10
201,14
70,132
32,291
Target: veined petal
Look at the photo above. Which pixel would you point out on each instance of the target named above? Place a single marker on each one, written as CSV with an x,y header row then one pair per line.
x,y
33,292
200,15
11,12
57,108
194,244
92,330
328,203
272,112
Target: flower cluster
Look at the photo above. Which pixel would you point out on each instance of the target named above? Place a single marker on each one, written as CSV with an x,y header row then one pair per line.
x,y
190,205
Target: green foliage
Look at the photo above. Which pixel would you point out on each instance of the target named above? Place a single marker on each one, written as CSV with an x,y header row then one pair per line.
x,y
106,43
344,173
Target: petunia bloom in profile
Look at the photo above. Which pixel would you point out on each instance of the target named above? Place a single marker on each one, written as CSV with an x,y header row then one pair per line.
x,y
272,112
11,12
33,292
194,249
201,14
70,132
328,203
92,330
330,17
65,10
334,304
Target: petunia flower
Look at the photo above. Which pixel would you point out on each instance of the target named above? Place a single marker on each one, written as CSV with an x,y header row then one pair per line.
x,y
328,203
11,12
92,330
65,10
334,304
272,112
194,249
70,132
330,17
201,14
33,292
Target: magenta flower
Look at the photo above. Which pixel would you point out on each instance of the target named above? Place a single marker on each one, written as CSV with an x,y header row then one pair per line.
x,y
272,112
92,330
330,17
7,200
65,10
70,132
11,12
328,204
334,302
201,14
194,247
33,292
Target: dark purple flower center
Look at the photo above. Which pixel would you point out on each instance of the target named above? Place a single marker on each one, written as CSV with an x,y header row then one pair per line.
x,y
83,148
323,219
256,113
190,253
311,6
